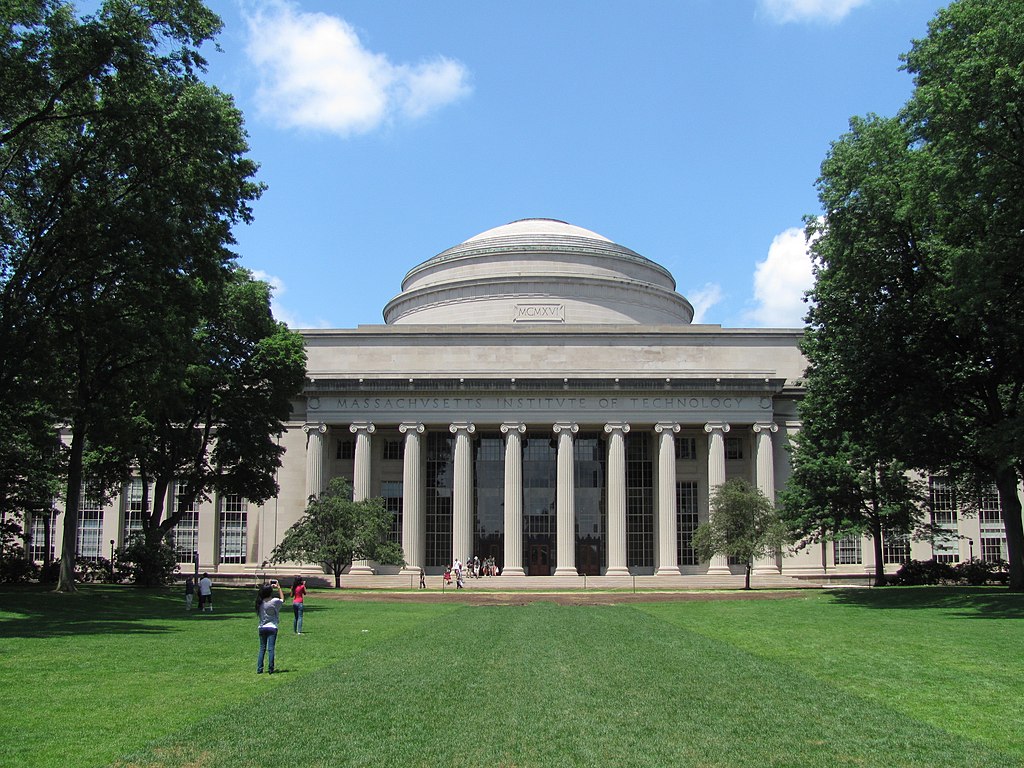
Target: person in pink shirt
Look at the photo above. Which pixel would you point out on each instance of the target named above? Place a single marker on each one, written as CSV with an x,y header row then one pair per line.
x,y
298,600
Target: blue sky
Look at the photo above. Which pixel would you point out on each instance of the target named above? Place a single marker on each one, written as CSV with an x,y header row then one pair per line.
x,y
691,131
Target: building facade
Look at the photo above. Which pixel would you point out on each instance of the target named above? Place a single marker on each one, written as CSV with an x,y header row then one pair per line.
x,y
537,395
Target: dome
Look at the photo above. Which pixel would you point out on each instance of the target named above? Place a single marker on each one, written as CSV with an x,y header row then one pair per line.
x,y
538,271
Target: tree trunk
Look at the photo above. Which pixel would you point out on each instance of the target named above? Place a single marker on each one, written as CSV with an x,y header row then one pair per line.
x,y
876,545
69,547
1006,482
746,583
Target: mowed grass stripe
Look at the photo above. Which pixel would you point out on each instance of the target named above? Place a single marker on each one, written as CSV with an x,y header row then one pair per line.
x,y
544,685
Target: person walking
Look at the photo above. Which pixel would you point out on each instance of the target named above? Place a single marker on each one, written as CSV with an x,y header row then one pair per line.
x,y
423,579
190,590
206,593
268,608
298,602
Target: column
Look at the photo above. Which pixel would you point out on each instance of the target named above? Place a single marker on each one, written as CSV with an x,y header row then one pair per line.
x,y
668,558
462,491
716,477
314,458
616,469
361,479
766,483
513,432
565,501
414,528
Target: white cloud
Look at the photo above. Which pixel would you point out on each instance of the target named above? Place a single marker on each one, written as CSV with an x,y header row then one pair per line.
x,y
279,311
703,299
829,11
781,280
315,73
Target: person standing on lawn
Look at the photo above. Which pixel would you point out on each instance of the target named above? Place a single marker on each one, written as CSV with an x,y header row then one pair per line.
x,y
298,602
268,608
190,590
206,593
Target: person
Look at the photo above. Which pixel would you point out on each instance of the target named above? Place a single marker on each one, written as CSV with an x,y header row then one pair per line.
x,y
190,589
268,608
448,575
206,593
423,579
298,598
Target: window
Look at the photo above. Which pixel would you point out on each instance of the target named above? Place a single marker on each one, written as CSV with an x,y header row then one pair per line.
x,y
133,493
639,502
90,523
733,448
233,523
394,450
391,491
346,449
185,535
38,550
895,549
993,549
686,521
990,512
943,500
686,448
437,498
847,550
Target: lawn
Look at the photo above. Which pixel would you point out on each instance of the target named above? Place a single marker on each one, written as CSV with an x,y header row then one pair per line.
x,y
895,677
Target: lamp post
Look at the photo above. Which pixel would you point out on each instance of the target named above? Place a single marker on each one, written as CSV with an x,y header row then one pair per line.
x,y
111,559
970,543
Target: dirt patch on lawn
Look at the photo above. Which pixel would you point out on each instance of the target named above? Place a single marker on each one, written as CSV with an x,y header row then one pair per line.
x,y
469,597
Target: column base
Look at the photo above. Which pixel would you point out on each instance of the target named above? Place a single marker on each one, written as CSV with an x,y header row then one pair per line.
x,y
510,571
360,570
765,570
668,570
565,572
719,570
408,571
617,572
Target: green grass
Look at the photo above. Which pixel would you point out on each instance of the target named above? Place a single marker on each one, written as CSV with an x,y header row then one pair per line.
x,y
927,677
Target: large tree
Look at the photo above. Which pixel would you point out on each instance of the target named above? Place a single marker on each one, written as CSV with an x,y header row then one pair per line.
x,y
917,317
743,524
335,531
121,174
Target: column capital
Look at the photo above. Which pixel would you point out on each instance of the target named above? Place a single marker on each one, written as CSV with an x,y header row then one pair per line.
x,y
362,426
720,426
769,426
458,426
616,426
411,426
667,426
315,427
568,426
513,426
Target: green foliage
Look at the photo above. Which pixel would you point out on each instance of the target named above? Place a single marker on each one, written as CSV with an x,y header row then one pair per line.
x,y
924,572
917,312
335,531
979,572
147,564
743,524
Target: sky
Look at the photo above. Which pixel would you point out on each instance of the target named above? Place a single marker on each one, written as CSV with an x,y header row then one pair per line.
x,y
690,131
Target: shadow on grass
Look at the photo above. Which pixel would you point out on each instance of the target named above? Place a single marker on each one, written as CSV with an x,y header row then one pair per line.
x,y
965,602
95,609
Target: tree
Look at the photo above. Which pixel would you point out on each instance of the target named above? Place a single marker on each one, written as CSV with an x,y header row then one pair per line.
x,y
121,174
917,314
335,531
743,525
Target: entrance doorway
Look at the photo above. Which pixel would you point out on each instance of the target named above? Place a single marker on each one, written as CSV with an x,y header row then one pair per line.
x,y
538,561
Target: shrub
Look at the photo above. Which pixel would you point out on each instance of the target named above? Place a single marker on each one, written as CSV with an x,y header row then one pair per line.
x,y
148,564
14,567
977,572
919,572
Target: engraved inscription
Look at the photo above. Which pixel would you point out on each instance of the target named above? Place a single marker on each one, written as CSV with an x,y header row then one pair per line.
x,y
539,313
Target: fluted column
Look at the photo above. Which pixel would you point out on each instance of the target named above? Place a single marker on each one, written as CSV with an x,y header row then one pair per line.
x,y
462,491
314,459
513,432
414,529
362,478
668,559
716,477
766,482
565,501
616,499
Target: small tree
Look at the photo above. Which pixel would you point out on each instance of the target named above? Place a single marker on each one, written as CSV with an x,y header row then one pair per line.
x,y
743,525
335,530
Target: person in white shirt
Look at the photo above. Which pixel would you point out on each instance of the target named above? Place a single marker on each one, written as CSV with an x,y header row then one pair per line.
x,y
268,608
206,593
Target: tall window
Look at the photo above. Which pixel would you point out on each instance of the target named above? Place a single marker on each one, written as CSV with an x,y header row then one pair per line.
x,y
391,491
733,448
90,523
185,535
346,448
437,487
639,501
589,458
686,521
847,550
686,448
38,550
133,493
489,500
895,548
234,513
394,450
943,501
989,509
993,548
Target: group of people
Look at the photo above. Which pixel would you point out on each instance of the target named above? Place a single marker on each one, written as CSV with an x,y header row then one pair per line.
x,y
475,568
205,593
268,609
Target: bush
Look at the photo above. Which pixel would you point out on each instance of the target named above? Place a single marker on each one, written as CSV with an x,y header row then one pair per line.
x,y
977,572
148,565
919,572
14,567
